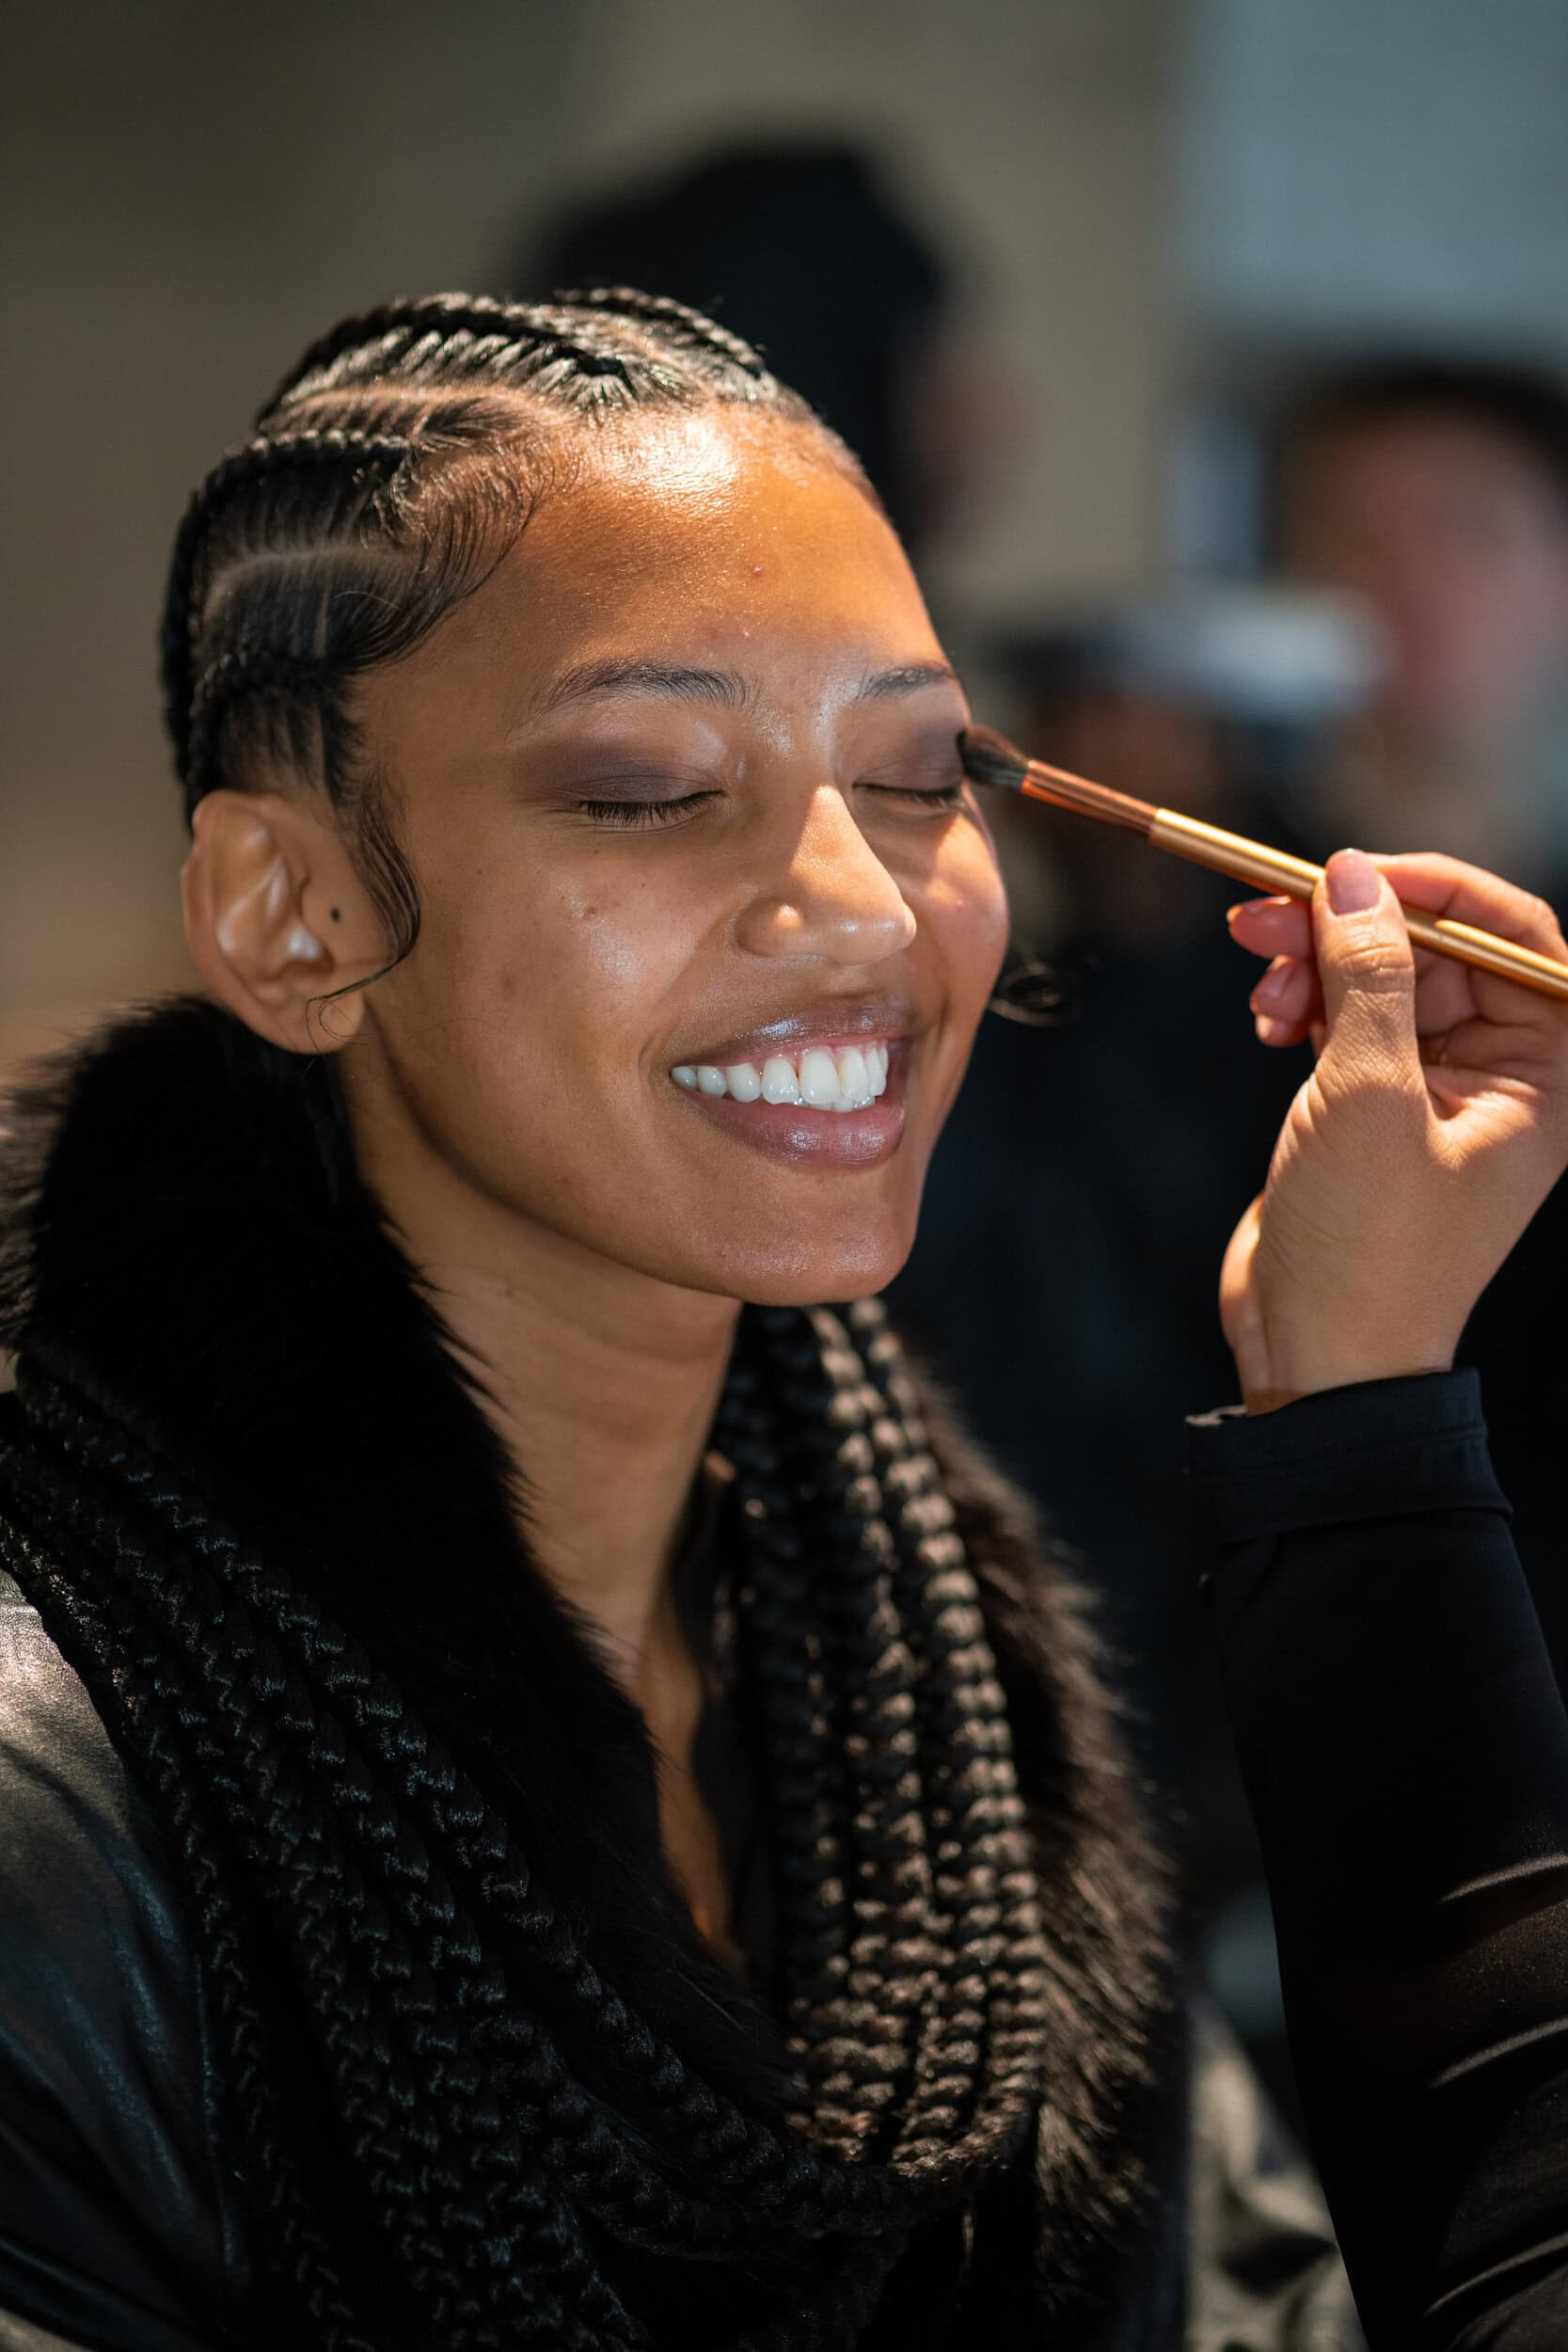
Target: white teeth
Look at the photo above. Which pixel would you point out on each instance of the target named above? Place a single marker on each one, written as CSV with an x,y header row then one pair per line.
x,y
819,1085
854,1079
849,1080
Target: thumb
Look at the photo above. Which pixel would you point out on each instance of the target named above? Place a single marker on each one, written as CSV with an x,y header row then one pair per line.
x,y
1366,968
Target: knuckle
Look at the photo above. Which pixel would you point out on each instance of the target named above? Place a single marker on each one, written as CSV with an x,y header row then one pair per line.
x,y
1541,918
1378,967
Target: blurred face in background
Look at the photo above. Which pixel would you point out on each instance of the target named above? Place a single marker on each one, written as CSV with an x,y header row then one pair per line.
x,y
1457,537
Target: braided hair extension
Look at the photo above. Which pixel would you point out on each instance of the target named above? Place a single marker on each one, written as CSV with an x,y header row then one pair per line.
x,y
385,477
472,2147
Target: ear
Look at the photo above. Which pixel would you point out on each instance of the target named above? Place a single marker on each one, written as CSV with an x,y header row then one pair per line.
x,y
278,918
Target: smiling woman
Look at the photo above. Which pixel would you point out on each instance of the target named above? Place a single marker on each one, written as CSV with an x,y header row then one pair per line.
x,y
557,1802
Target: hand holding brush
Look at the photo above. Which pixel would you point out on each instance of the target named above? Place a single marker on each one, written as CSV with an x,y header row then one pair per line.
x,y
1434,1121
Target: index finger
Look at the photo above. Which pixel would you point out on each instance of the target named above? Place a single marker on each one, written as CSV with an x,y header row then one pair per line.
x,y
1439,885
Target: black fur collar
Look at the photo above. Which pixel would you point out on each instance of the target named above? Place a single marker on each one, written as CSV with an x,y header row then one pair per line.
x,y
184,1237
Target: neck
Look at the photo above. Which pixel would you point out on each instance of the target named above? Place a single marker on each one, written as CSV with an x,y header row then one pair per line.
x,y
602,1381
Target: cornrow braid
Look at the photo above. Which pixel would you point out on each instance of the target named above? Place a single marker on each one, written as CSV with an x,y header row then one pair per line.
x,y
339,535
349,458
690,327
565,330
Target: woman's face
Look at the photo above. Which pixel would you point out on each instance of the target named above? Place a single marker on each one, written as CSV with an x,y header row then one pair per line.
x,y
680,788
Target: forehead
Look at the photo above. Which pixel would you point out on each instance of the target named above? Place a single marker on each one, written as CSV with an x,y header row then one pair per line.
x,y
693,536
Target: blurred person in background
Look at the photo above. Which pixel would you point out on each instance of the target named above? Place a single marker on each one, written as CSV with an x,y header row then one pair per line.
x,y
1435,491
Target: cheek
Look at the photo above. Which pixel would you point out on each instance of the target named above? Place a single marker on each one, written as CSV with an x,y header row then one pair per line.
x,y
532,1009
963,907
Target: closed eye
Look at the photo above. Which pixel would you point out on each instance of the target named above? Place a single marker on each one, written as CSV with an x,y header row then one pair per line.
x,y
941,796
627,814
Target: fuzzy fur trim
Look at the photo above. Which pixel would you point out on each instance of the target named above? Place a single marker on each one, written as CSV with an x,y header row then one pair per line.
x,y
184,1239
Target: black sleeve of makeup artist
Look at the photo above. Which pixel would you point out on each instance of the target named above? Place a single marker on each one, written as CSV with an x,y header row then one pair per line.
x,y
1404,1748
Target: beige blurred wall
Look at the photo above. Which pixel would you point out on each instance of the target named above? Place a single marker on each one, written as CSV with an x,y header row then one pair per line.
x,y
192,187
191,191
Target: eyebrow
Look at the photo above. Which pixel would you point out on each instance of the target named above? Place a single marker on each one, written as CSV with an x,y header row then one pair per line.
x,y
883,685
726,689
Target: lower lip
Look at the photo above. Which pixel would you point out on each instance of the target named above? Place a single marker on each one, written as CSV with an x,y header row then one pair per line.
x,y
793,1131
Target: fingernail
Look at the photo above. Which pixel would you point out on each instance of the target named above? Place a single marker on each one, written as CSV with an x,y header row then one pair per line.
x,y
1273,985
1354,881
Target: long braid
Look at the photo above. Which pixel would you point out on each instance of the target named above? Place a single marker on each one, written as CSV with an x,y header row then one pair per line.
x,y
994,1915
450,1809
336,1907
823,1513
320,1880
958,1921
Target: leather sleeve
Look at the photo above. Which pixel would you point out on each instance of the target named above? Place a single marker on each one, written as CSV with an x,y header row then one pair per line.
x,y
1404,1747
113,2231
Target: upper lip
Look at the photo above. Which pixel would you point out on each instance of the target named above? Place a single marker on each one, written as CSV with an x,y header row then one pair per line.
x,y
833,1022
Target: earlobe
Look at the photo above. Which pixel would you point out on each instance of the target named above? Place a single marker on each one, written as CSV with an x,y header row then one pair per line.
x,y
266,881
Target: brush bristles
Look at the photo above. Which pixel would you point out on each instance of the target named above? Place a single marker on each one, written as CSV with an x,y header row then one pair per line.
x,y
989,758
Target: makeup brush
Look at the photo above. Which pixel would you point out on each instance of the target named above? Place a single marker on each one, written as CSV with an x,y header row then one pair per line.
x,y
989,758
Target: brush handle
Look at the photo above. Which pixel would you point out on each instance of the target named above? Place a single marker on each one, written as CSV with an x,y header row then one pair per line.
x,y
1297,878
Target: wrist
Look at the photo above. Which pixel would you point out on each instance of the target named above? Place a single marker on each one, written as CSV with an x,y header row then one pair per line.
x,y
1265,1389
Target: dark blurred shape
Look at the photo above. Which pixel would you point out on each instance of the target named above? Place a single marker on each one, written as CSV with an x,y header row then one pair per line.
x,y
798,246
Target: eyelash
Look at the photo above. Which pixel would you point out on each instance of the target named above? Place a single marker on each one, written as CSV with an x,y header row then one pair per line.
x,y
628,816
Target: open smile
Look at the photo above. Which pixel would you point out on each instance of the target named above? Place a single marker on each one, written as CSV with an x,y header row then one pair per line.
x,y
833,1104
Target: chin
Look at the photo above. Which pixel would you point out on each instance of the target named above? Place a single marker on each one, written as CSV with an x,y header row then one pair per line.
x,y
765,1272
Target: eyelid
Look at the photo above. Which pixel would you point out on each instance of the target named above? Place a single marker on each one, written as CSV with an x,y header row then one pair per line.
x,y
609,783
630,811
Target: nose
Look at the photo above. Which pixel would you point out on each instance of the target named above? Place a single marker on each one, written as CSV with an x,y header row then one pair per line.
x,y
834,897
